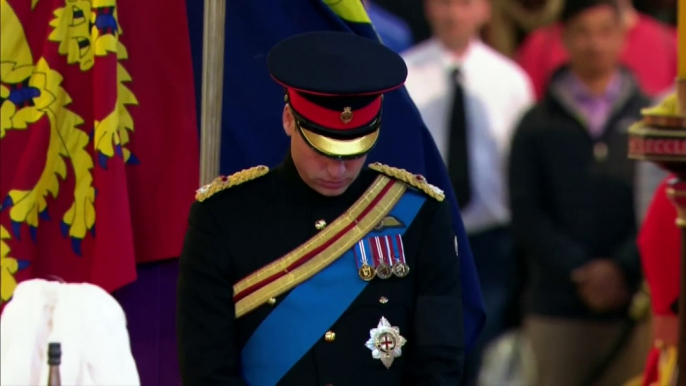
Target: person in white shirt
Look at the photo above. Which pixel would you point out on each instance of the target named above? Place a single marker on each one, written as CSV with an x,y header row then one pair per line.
x,y
471,98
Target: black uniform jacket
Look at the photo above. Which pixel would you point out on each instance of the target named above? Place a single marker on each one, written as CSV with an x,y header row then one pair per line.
x,y
239,230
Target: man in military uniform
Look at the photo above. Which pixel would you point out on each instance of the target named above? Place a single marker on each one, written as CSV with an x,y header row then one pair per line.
x,y
322,271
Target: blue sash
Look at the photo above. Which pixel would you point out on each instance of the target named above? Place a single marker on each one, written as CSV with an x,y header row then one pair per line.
x,y
292,328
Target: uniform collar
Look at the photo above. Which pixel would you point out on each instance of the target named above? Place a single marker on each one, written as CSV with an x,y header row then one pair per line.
x,y
290,186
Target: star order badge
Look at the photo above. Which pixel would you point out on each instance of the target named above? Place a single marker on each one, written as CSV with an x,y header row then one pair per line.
x,y
385,342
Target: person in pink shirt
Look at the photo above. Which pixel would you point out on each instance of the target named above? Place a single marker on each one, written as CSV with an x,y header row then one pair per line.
x,y
649,51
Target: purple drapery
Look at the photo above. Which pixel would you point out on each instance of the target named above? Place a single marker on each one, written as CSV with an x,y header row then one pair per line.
x,y
150,307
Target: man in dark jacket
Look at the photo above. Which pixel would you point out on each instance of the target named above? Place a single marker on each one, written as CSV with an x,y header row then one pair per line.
x,y
572,197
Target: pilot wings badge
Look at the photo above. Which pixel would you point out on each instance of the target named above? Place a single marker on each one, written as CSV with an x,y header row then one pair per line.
x,y
385,342
389,222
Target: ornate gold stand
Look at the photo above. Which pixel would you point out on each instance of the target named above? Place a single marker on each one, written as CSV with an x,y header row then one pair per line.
x,y
661,138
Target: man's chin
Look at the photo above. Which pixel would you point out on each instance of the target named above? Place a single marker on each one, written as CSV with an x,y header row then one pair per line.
x,y
330,191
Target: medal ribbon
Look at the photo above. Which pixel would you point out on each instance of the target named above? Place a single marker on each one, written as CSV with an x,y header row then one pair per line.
x,y
361,256
399,249
388,242
380,258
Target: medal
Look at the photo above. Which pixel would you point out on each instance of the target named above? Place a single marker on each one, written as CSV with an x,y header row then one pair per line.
x,y
400,269
385,342
384,271
365,271
383,257
388,258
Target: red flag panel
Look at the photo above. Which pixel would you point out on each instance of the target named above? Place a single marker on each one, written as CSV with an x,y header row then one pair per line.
x,y
98,138
659,242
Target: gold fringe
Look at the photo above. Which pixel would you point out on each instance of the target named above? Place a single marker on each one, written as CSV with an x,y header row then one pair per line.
x,y
415,180
221,183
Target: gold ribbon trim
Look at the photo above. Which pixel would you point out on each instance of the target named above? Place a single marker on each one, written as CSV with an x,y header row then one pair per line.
x,y
328,255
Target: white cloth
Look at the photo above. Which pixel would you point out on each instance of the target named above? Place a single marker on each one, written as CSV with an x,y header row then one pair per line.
x,y
497,93
88,323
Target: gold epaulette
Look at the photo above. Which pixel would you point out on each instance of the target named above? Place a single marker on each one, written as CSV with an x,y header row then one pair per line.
x,y
415,180
223,182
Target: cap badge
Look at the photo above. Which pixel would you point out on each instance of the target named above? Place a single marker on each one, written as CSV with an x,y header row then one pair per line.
x,y
347,115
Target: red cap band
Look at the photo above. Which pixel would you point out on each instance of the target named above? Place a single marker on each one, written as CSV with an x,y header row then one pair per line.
x,y
336,120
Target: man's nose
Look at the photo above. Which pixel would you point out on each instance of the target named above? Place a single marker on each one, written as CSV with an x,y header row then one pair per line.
x,y
336,169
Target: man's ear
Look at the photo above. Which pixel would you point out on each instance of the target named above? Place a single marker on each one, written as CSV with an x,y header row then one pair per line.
x,y
288,121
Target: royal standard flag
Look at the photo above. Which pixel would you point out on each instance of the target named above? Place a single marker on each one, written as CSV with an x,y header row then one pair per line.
x,y
252,105
98,138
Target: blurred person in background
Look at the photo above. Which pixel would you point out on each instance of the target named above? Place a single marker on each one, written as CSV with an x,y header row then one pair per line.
x,y
649,51
470,98
572,192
